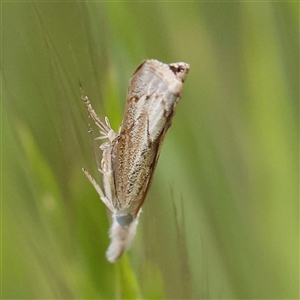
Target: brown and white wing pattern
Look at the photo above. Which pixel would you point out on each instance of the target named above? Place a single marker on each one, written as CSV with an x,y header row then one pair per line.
x,y
153,93
130,157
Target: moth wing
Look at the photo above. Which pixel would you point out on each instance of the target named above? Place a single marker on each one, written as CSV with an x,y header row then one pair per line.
x,y
149,110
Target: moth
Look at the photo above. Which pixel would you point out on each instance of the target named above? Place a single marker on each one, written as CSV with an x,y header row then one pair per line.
x,y
129,157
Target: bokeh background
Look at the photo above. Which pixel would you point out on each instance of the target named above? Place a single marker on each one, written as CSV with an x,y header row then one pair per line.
x,y
222,217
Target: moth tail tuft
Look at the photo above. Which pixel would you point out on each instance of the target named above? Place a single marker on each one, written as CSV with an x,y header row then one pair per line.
x,y
121,239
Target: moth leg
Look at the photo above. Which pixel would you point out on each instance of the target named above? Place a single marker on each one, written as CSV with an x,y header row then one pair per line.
x,y
104,199
105,128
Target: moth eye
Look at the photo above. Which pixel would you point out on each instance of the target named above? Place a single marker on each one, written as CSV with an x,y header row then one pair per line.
x,y
124,220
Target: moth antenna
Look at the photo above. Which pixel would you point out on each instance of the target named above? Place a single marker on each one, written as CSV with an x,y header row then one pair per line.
x,y
98,189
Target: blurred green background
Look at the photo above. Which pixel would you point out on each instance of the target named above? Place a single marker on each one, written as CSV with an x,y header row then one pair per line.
x,y
221,219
